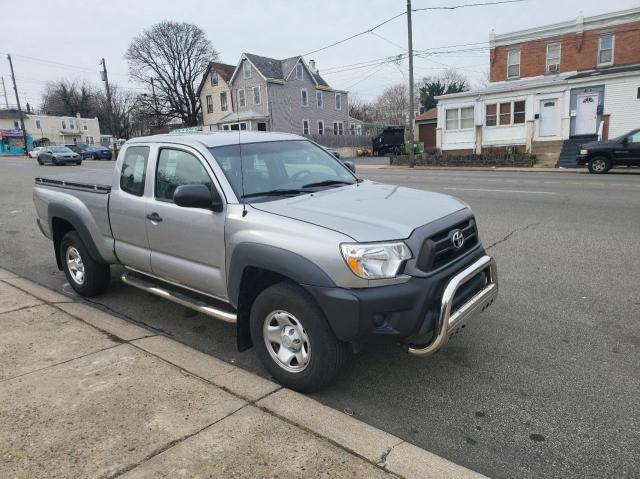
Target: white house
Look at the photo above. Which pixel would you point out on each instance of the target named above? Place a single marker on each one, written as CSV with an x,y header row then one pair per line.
x,y
551,88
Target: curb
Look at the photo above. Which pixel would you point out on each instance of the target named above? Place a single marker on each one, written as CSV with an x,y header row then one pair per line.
x,y
381,449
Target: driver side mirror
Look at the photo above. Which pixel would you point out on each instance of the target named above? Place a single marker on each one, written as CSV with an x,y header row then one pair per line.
x,y
197,196
625,141
351,165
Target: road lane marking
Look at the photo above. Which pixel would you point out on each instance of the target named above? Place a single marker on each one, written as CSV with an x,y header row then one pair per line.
x,y
503,191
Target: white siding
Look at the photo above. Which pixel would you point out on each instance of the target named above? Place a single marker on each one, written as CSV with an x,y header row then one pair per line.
x,y
622,103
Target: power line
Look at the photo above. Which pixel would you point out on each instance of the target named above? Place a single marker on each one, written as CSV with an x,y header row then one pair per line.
x,y
455,7
369,30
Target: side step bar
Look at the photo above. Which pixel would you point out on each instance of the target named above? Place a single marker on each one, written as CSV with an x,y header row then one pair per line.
x,y
166,292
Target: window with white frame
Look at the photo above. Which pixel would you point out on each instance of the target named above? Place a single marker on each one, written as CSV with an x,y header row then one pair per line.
x,y
605,49
242,102
452,118
256,95
335,127
338,101
320,127
299,71
459,118
338,128
88,140
304,97
223,101
505,113
319,99
84,126
214,78
246,69
16,124
64,125
209,104
38,125
553,57
305,127
71,124
513,63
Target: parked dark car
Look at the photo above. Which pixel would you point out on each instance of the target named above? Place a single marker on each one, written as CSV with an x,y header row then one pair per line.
x,y
601,156
97,153
78,148
58,155
389,141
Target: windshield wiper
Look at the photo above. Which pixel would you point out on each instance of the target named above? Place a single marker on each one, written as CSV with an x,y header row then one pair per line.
x,y
327,183
281,192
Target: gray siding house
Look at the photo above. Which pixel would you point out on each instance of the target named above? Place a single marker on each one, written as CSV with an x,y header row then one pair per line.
x,y
284,95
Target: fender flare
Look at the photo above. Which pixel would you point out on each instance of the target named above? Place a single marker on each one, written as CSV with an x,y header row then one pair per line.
x,y
73,218
274,259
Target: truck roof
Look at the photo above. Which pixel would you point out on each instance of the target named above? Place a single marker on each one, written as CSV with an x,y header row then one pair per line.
x,y
217,138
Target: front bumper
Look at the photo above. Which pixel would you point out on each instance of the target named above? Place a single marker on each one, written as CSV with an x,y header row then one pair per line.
x,y
421,313
582,159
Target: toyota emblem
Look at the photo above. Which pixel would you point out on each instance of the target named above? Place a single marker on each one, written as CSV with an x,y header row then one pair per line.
x,y
457,239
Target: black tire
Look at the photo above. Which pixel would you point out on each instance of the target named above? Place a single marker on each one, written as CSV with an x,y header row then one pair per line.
x,y
78,163
96,275
39,161
54,162
599,165
327,355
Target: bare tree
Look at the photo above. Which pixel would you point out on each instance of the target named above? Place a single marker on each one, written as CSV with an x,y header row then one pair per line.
x,y
392,106
67,98
360,109
174,55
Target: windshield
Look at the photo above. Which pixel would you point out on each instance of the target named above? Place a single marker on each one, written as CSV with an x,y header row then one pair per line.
x,y
287,167
60,149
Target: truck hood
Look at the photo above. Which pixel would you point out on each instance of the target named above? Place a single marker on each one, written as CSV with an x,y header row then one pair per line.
x,y
367,212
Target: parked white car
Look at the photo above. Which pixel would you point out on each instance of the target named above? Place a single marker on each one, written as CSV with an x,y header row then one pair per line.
x,y
35,152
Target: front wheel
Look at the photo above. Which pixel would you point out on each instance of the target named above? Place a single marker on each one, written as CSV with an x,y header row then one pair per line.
x,y
294,340
85,275
599,164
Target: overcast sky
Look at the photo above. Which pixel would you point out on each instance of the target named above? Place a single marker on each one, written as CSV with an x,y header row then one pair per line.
x,y
51,40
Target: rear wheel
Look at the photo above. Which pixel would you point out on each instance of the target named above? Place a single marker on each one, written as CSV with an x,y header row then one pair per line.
x,y
599,164
294,340
85,275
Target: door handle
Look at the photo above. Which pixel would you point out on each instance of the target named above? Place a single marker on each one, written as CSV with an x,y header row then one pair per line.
x,y
155,217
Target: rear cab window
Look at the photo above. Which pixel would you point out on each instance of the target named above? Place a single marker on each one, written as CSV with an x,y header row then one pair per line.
x,y
133,171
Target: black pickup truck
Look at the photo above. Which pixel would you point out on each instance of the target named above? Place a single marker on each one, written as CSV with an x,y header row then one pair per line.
x,y
601,156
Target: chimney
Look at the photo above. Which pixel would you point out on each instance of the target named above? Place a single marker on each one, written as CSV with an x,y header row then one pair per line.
x,y
312,65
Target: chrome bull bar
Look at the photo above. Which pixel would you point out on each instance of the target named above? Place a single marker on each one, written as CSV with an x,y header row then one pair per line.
x,y
479,302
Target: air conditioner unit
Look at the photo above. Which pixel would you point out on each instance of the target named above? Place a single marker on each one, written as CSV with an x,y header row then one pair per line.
x,y
554,68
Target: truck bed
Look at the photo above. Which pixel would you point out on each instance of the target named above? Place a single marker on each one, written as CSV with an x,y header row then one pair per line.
x,y
94,181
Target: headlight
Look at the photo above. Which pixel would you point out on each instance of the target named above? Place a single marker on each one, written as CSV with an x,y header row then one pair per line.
x,y
584,152
375,260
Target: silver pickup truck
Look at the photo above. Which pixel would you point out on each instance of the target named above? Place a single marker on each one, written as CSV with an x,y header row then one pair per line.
x,y
273,233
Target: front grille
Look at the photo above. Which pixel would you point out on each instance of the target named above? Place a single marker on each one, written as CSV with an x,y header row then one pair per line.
x,y
438,250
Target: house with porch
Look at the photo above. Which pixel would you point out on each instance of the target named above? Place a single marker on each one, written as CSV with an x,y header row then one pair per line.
x,y
287,95
551,88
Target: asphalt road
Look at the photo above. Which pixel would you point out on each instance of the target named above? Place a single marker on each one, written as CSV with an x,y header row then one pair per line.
x,y
544,384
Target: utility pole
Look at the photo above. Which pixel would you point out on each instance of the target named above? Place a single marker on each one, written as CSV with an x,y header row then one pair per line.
x,y
155,102
105,79
4,91
15,89
412,159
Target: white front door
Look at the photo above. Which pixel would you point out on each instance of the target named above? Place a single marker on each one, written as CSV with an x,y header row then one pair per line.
x,y
587,114
549,118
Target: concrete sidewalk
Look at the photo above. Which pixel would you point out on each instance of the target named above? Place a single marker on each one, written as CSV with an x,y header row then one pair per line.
x,y
87,394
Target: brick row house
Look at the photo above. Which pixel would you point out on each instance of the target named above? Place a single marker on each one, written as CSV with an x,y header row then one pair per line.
x,y
551,88
266,94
